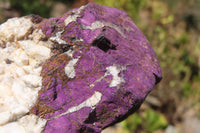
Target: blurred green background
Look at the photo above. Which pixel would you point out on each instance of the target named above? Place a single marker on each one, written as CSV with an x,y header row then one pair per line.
x,y
173,30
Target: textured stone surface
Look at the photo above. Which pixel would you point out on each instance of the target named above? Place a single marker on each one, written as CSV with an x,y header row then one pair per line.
x,y
22,54
91,68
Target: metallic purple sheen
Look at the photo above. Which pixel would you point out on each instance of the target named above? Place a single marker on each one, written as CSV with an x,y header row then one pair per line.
x,y
118,44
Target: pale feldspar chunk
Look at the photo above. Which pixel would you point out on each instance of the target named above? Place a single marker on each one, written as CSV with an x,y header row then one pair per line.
x,y
15,28
20,80
26,124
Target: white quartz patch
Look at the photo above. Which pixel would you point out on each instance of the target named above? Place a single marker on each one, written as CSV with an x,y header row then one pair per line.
x,y
20,74
98,24
72,18
69,68
15,28
26,124
114,71
70,52
57,38
95,25
90,102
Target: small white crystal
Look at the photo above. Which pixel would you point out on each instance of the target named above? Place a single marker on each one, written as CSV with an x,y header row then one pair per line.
x,y
69,68
90,102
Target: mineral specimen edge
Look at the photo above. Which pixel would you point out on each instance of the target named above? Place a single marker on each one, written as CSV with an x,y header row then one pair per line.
x,y
81,72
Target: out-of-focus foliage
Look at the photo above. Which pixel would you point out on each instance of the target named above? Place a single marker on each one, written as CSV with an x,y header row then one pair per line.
x,y
132,122
153,121
32,7
148,121
27,7
132,7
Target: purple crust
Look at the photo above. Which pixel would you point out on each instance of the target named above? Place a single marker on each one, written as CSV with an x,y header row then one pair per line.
x,y
124,47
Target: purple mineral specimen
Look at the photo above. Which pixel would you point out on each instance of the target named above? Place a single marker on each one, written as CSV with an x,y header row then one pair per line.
x,y
101,69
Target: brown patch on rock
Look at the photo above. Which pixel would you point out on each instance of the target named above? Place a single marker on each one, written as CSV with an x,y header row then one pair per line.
x,y
79,3
8,61
41,110
2,44
59,48
53,67
36,18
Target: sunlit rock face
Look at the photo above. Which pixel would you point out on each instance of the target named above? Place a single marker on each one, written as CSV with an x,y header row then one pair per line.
x,y
80,72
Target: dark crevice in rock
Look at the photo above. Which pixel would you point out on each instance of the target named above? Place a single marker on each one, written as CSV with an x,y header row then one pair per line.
x,y
54,95
60,48
103,43
3,44
8,61
92,117
158,79
135,107
85,129
73,39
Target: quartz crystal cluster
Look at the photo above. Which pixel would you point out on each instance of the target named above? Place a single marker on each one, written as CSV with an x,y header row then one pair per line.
x,y
81,72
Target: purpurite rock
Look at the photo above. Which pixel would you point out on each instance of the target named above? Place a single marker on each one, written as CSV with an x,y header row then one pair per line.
x,y
91,68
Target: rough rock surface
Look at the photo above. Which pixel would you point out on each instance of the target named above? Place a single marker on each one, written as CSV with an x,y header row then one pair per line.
x,y
81,72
